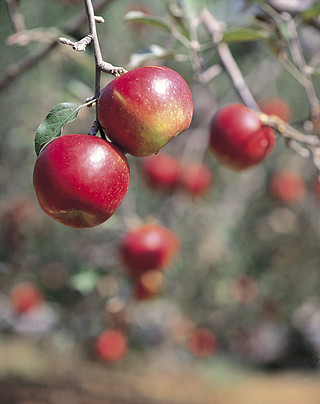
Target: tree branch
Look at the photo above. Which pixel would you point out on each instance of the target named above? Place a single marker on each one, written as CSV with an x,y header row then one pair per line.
x,y
15,70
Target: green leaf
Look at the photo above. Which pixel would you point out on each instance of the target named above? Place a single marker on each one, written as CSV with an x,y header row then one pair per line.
x,y
311,13
56,119
85,281
244,34
152,52
139,16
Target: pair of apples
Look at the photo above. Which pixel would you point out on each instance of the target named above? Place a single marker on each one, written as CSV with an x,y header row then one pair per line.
x,y
81,180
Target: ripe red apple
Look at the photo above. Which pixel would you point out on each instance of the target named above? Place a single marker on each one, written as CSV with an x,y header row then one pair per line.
x,y
148,285
161,171
238,138
203,343
149,246
287,186
195,179
276,106
111,345
142,110
25,296
80,180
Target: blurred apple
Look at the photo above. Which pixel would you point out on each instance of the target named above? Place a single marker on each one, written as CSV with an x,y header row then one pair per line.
x,y
195,179
287,186
203,343
161,171
149,246
111,346
276,106
26,296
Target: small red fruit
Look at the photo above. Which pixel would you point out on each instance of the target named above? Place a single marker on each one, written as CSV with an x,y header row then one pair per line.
x,y
287,186
111,346
80,180
142,110
196,179
25,296
203,343
238,138
149,246
148,285
276,106
161,171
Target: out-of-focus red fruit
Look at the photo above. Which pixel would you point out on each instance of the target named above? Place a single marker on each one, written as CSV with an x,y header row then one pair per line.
x,y
238,137
287,186
161,171
149,246
195,179
148,285
203,343
111,345
276,106
25,296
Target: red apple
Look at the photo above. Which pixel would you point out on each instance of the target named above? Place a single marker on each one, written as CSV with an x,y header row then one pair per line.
x,y
276,106
195,179
149,246
111,346
80,180
148,285
287,186
161,171
26,296
142,110
238,138
203,343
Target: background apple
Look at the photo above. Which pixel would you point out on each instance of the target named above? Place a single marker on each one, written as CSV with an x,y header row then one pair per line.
x,y
111,345
142,110
287,186
202,342
276,106
195,178
149,246
238,139
148,285
80,180
161,171
25,297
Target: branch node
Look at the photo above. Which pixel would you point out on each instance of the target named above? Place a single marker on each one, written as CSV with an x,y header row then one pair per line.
x,y
98,19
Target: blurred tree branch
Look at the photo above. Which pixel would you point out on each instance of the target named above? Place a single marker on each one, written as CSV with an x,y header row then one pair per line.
x,y
15,70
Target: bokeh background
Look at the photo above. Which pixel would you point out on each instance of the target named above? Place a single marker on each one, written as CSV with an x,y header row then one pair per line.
x,y
248,267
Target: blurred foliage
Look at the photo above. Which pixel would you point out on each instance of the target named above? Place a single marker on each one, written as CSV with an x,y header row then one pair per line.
x,y
249,264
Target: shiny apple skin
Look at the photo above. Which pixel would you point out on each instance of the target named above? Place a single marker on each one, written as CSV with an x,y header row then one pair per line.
x,y
80,180
238,138
142,110
148,247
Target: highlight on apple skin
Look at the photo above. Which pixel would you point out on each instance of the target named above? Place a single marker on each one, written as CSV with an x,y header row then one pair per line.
x,y
142,110
80,180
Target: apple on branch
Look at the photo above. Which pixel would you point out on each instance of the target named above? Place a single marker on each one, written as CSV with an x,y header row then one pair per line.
x,y
80,180
142,110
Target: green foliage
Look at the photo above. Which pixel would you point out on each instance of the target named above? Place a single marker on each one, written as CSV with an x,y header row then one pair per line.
x,y
59,116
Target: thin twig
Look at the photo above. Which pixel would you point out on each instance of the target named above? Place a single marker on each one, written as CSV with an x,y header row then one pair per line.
x,y
215,28
15,70
298,57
